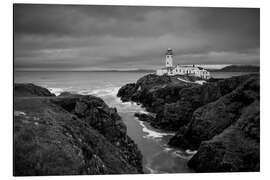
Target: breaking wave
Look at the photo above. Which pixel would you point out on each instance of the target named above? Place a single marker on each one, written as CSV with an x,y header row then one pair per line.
x,y
109,91
151,133
56,91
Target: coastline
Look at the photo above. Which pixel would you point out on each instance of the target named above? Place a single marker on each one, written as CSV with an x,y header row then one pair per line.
x,y
157,95
154,137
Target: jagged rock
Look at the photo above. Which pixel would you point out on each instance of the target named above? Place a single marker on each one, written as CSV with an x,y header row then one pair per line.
x,y
236,149
72,134
174,101
127,91
179,113
211,119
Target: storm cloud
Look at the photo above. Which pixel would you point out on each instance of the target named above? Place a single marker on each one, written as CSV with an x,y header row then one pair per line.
x,y
69,37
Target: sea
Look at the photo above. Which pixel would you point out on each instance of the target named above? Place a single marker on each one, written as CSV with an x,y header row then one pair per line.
x,y
158,157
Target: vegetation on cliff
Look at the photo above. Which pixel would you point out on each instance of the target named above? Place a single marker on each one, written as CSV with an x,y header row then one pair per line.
x,y
69,134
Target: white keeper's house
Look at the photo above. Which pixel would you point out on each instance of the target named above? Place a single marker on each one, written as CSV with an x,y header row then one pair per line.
x,y
190,70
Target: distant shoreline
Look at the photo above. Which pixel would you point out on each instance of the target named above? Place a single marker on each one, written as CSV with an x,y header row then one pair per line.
x,y
229,68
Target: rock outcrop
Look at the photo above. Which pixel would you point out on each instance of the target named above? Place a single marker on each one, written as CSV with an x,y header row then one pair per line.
x,y
30,89
69,134
173,100
213,118
220,119
236,149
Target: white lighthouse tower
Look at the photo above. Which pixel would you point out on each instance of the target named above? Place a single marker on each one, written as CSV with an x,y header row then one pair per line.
x,y
169,61
186,70
169,58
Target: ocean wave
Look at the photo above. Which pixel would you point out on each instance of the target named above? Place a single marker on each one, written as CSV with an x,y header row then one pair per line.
x,y
187,154
190,152
151,133
182,155
19,113
167,149
143,112
129,107
56,91
109,91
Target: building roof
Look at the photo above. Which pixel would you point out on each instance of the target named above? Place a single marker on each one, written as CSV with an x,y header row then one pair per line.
x,y
169,51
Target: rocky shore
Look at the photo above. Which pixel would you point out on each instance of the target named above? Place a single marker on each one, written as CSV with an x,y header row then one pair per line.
x,y
69,134
220,119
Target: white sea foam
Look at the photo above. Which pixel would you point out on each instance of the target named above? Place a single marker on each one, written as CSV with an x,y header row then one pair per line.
x,y
143,112
56,91
190,152
187,154
167,149
19,113
109,91
130,107
181,155
151,133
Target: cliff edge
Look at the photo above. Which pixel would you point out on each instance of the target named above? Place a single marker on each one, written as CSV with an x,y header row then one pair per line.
x,y
69,135
219,118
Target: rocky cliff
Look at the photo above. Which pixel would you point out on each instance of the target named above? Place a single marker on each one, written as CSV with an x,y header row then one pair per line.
x,y
206,117
174,101
69,134
213,118
236,149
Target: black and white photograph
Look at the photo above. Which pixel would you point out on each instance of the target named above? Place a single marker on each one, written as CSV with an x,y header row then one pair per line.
x,y
129,89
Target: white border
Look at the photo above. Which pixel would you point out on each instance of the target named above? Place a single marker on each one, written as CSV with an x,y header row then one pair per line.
x,y
205,3
6,84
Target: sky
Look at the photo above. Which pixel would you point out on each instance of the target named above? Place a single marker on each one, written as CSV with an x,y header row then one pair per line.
x,y
69,37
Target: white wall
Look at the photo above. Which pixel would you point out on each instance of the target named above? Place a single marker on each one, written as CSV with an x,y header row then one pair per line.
x,y
185,70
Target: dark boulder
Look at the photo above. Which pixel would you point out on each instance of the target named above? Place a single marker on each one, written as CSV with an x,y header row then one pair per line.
x,y
144,117
127,91
26,90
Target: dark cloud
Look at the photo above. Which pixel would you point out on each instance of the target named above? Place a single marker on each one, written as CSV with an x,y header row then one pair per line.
x,y
67,36
74,20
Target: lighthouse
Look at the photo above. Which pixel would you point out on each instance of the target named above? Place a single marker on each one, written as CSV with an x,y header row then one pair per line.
x,y
186,70
169,58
